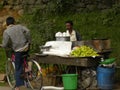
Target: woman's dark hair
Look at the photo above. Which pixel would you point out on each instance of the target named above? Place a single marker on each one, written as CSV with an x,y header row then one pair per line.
x,y
10,20
69,22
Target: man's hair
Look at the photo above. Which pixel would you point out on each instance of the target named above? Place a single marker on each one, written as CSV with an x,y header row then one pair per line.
x,y
69,21
10,20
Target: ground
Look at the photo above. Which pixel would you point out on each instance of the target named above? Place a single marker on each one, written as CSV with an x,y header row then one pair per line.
x,y
5,86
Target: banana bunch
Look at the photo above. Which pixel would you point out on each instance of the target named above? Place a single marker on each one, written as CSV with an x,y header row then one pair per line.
x,y
83,51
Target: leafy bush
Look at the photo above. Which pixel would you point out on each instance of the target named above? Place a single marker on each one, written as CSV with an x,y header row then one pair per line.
x,y
103,24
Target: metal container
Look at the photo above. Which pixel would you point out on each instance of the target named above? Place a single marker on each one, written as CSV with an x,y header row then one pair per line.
x,y
45,48
101,44
98,44
106,43
65,38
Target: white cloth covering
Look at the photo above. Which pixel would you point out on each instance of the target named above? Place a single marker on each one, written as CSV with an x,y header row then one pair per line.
x,y
59,48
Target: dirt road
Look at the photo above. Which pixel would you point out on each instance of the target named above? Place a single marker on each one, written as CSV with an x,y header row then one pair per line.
x,y
5,88
8,88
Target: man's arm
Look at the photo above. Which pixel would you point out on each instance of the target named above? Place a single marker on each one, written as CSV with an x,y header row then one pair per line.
x,y
27,34
78,36
5,39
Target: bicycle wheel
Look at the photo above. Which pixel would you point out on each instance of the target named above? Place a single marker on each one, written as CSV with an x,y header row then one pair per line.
x,y
35,77
10,73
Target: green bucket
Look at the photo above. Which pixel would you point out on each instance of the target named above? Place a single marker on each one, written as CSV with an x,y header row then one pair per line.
x,y
69,81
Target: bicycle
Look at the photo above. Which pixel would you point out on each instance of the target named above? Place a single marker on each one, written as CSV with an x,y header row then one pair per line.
x,y
32,73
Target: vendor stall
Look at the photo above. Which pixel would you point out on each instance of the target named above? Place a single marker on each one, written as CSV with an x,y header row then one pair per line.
x,y
80,65
84,66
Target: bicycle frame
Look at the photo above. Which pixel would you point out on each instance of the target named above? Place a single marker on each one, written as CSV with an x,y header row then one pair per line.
x,y
28,74
25,61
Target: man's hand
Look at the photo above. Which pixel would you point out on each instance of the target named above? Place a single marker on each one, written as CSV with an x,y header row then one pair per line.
x,y
0,45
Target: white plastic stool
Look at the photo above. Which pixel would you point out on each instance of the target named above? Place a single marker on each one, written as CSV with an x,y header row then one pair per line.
x,y
52,88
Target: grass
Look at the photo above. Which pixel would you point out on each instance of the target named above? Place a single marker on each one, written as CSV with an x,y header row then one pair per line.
x,y
3,60
3,84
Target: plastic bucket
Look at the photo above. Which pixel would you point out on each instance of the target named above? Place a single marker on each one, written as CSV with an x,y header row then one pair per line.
x,y
105,77
69,81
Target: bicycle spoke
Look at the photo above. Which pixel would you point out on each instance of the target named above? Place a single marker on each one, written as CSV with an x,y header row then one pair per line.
x,y
10,73
35,78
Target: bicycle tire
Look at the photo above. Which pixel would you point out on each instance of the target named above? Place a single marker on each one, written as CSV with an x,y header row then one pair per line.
x,y
10,73
36,81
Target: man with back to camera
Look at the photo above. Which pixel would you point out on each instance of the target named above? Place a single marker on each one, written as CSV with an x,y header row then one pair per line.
x,y
74,35
18,38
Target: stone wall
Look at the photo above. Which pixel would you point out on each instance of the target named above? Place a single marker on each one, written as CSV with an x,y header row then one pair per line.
x,y
18,7
95,4
80,5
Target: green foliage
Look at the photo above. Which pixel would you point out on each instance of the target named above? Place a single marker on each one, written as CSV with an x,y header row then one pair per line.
x,y
103,24
45,22
42,29
3,60
44,25
58,7
62,6
1,5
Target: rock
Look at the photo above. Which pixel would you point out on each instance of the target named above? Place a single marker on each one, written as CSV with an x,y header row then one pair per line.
x,y
80,5
21,12
80,10
17,7
91,7
101,6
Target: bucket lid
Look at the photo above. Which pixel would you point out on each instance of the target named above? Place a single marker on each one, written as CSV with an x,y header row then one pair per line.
x,y
66,75
108,61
